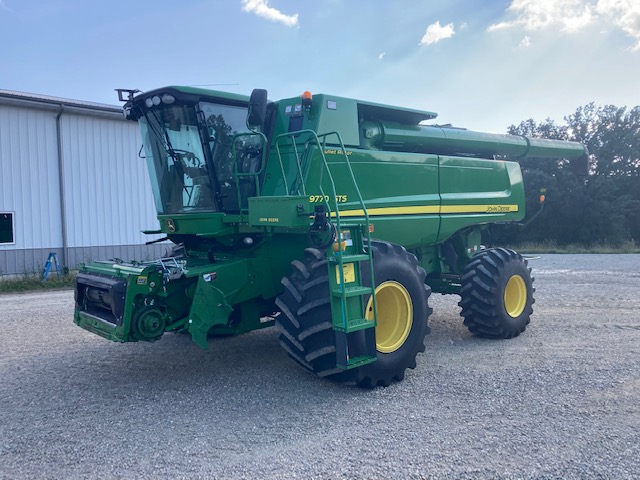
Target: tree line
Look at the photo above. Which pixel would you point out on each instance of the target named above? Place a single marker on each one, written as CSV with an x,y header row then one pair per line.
x,y
602,208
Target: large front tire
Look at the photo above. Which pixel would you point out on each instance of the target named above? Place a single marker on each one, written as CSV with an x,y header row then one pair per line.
x,y
306,330
497,294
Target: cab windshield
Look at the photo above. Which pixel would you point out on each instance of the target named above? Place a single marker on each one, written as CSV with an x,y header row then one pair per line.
x,y
190,156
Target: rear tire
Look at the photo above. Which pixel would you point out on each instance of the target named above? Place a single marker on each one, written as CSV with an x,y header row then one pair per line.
x,y
497,294
306,330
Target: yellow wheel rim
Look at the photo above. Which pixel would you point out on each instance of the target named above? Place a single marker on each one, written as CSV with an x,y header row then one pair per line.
x,y
395,316
515,296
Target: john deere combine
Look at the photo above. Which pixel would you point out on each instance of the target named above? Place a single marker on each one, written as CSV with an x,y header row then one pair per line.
x,y
332,218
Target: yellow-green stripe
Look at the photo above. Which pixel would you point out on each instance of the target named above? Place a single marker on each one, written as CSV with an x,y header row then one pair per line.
x,y
430,209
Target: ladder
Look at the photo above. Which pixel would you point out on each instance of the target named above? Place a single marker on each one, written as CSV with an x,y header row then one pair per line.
x,y
51,260
354,328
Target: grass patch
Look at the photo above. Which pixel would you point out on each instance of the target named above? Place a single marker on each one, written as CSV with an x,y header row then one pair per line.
x,y
551,247
33,281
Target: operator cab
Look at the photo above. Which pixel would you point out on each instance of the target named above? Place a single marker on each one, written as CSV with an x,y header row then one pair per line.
x,y
204,152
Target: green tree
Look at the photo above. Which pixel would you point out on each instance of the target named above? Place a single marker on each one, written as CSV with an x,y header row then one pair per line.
x,y
612,135
604,207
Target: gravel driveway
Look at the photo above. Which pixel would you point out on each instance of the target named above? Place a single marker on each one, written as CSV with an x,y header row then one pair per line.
x,y
560,401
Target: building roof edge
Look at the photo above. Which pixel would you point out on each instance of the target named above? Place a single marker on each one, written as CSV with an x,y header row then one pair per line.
x,y
50,100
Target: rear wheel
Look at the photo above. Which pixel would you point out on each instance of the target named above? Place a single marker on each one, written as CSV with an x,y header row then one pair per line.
x,y
306,330
497,294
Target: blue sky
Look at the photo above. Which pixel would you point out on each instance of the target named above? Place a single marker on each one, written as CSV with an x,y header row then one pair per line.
x,y
481,64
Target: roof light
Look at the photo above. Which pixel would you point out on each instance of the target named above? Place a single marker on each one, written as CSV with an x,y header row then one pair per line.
x,y
306,100
156,100
168,99
148,102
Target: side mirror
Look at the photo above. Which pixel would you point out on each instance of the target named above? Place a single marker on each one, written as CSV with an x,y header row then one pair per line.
x,y
257,108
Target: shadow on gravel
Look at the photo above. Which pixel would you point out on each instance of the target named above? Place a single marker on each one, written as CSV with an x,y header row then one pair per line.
x,y
246,372
240,384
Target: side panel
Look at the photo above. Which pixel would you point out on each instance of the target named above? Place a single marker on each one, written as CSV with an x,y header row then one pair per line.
x,y
400,191
476,191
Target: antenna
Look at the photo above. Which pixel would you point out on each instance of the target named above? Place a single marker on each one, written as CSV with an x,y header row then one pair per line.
x,y
216,85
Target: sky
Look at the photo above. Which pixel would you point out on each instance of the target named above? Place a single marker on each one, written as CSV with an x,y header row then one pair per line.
x,y
481,64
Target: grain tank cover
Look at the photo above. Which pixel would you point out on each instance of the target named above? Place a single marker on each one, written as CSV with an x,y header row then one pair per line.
x,y
402,116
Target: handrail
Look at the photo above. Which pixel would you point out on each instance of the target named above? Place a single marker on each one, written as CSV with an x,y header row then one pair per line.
x,y
327,201
284,175
366,217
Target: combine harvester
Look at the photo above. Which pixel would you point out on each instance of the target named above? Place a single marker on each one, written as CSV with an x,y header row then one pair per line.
x,y
332,218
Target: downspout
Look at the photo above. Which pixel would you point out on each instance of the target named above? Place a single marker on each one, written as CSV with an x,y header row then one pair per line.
x,y
63,209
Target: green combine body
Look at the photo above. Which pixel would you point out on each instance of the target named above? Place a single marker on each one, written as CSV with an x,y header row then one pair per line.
x,y
331,218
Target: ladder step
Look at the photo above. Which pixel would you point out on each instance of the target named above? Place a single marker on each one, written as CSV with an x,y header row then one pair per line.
x,y
349,258
351,291
355,325
357,361
356,349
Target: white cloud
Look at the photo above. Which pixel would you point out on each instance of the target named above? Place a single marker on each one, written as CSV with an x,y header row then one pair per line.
x,y
262,9
526,42
625,14
569,15
436,32
381,56
572,15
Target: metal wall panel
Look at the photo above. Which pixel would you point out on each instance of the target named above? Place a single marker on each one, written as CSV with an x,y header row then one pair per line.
x,y
29,176
108,198
108,195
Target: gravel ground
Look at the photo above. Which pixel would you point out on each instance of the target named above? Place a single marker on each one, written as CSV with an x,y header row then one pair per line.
x,y
560,401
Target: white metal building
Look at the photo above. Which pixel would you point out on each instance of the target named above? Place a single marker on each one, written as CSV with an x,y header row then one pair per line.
x,y
71,183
